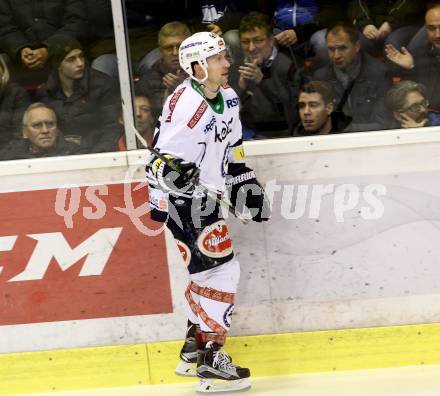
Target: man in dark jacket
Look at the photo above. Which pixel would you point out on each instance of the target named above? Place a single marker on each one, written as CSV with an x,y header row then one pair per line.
x,y
85,100
316,111
165,74
392,21
262,80
41,137
358,80
423,64
29,29
13,102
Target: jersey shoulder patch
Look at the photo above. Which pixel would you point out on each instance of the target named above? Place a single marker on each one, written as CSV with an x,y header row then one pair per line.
x,y
173,102
198,114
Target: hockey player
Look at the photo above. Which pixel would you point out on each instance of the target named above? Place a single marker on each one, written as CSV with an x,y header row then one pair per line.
x,y
199,134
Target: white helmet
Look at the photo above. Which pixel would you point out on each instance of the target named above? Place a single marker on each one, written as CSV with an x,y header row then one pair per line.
x,y
197,48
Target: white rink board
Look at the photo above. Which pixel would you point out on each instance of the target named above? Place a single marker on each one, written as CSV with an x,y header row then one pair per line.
x,y
297,275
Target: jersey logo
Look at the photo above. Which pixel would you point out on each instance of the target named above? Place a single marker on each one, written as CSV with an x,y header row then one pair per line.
x,y
210,126
226,130
214,241
197,115
232,102
173,102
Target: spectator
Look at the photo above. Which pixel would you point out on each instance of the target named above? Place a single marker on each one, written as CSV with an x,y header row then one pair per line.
x,y
29,30
262,80
144,118
316,111
392,22
165,74
13,102
358,80
41,137
407,101
423,65
84,99
295,21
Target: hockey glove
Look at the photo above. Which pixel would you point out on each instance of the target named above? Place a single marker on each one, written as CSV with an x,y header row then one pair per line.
x,y
245,190
181,179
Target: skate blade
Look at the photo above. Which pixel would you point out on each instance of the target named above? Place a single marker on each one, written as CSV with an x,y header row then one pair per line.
x,y
210,385
185,369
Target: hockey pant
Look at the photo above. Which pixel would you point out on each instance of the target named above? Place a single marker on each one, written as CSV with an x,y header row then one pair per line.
x,y
206,248
210,299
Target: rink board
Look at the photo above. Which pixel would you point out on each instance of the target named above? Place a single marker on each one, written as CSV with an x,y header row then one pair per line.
x,y
267,355
307,280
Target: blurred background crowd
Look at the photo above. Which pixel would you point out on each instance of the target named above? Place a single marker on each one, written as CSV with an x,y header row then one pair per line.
x,y
306,67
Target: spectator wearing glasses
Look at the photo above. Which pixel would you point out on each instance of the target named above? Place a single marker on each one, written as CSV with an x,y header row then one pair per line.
x,y
262,80
422,64
316,111
165,74
85,100
409,106
144,120
41,136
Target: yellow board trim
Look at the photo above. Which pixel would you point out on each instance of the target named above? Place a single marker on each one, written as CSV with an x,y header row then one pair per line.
x,y
265,355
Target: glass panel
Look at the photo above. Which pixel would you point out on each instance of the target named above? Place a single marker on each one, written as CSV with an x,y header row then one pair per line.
x,y
60,89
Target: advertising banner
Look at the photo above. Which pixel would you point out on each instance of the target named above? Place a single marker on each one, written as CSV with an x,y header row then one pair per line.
x,y
80,253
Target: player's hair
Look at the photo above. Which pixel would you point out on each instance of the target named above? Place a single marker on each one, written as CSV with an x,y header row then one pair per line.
x,y
33,106
172,29
255,20
346,28
395,98
320,87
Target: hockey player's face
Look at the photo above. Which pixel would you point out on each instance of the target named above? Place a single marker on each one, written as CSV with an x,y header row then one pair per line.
x,y
144,116
257,45
218,68
342,52
41,129
169,51
432,24
314,113
73,65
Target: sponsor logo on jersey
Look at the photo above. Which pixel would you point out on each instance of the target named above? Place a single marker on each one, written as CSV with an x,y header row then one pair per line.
x,y
232,102
227,316
210,126
173,102
191,45
184,251
214,241
197,115
225,131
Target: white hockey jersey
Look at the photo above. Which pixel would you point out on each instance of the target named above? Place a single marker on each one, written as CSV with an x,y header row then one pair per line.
x,y
199,131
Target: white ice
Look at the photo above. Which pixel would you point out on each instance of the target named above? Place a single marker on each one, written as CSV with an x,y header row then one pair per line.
x,y
404,381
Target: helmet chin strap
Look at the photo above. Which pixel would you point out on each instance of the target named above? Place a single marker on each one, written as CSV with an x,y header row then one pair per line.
x,y
202,80
210,90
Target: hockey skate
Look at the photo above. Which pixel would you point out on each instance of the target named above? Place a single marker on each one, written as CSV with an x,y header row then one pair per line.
x,y
217,373
188,355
